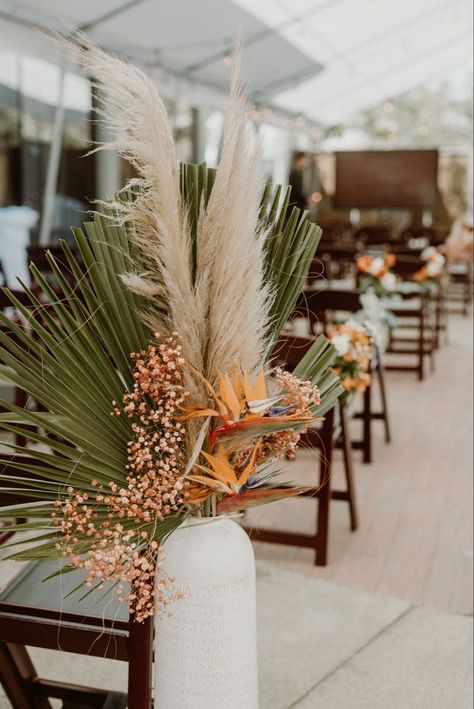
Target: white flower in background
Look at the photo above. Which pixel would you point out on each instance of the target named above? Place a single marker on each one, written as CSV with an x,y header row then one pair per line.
x,y
434,261
428,253
374,311
342,343
370,304
388,281
435,265
377,265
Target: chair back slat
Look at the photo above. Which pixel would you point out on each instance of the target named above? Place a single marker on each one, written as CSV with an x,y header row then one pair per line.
x,y
290,350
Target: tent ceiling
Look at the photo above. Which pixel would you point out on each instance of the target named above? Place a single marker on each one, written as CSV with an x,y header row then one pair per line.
x,y
186,37
371,49
323,58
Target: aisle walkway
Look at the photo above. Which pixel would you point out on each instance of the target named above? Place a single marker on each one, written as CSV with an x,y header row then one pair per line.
x,y
415,500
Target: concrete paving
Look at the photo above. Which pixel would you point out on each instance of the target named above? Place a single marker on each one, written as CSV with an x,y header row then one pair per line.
x,y
422,661
324,646
308,627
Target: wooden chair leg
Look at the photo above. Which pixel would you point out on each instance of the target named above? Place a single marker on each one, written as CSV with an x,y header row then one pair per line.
x,y
383,396
140,667
347,453
421,345
433,346
17,672
437,320
367,426
324,496
466,298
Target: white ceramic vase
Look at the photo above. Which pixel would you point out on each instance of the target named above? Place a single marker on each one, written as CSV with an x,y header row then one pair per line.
x,y
206,651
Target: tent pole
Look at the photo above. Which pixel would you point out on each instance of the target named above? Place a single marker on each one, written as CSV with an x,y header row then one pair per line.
x,y
53,166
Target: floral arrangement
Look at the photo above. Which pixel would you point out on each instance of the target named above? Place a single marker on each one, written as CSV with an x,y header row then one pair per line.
x,y
434,266
377,273
353,343
459,246
152,358
375,316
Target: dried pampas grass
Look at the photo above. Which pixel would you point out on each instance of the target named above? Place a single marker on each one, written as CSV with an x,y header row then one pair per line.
x,y
230,259
157,225
219,304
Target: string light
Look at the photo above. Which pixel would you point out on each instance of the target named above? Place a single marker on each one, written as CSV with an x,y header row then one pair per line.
x,y
316,197
227,60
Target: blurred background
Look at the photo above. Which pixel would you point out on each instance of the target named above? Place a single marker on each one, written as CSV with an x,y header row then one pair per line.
x,y
326,78
365,108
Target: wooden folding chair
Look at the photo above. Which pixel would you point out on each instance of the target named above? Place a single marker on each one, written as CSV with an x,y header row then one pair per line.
x,y
414,312
335,230
38,613
459,287
35,613
374,234
333,261
289,351
321,308
418,231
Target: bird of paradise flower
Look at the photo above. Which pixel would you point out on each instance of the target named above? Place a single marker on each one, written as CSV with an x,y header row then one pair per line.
x,y
242,416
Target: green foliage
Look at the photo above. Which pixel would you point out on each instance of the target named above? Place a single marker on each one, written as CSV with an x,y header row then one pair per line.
x,y
290,247
74,356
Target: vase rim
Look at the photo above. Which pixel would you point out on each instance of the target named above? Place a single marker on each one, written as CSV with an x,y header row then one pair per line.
x,y
192,521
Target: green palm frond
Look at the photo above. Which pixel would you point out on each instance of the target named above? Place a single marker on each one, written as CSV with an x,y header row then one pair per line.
x,y
290,247
74,360
73,357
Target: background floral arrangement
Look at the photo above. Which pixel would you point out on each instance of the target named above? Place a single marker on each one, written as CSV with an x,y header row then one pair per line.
x,y
377,273
353,343
434,266
459,246
376,317
152,365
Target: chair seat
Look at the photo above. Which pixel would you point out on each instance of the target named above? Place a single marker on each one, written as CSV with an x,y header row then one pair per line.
x,y
29,588
409,288
459,269
52,614
405,307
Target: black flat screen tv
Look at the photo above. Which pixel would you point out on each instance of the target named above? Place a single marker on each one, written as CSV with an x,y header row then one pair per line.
x,y
368,179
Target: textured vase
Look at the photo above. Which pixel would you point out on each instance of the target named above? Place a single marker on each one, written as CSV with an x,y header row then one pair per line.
x,y
206,651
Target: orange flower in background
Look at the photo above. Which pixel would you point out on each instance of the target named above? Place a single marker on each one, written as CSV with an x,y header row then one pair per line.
x,y
421,276
354,344
362,382
364,263
377,274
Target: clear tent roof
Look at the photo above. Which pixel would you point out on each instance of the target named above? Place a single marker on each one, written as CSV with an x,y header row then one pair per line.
x,y
325,59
